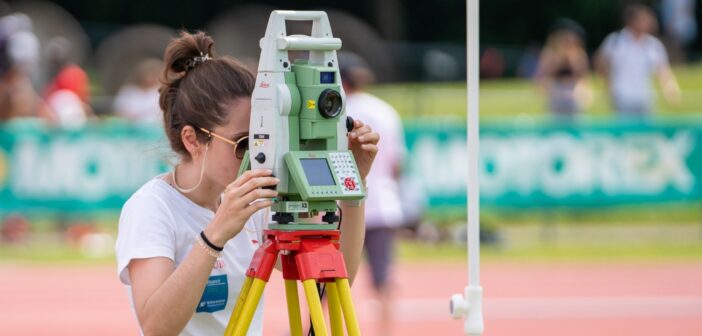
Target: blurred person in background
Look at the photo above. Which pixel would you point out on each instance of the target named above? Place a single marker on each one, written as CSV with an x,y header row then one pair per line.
x,y
137,100
19,52
492,64
68,90
529,61
15,229
679,27
383,205
563,71
186,237
628,59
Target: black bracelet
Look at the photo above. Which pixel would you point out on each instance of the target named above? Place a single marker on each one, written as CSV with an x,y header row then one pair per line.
x,y
209,243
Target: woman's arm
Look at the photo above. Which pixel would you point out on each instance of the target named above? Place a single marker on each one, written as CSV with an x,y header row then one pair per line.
x,y
165,297
583,90
353,231
363,143
544,71
669,85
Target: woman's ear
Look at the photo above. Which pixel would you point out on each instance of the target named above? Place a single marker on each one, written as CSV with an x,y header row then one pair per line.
x,y
189,137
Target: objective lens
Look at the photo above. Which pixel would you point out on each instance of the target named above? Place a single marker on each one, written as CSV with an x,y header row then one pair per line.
x,y
329,103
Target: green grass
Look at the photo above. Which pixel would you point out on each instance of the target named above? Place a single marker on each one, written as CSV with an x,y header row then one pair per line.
x,y
583,242
413,251
50,252
520,98
526,243
634,215
631,215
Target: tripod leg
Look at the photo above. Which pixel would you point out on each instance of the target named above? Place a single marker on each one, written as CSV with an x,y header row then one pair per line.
x,y
335,318
249,307
347,306
320,328
234,319
293,307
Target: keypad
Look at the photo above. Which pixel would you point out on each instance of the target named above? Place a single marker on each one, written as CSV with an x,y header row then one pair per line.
x,y
345,172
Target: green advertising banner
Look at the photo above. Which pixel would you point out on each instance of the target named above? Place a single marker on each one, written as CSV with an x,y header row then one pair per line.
x,y
539,166
543,166
89,169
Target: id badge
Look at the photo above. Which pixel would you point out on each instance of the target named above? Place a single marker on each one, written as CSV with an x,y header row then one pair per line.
x,y
215,296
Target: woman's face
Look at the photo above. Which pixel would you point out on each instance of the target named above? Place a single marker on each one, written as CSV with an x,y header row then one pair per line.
x,y
643,23
223,165
570,39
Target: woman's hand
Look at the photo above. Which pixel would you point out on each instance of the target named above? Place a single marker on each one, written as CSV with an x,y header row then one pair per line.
x,y
363,143
239,203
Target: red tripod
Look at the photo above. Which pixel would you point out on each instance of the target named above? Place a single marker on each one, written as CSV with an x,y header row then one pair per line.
x,y
309,256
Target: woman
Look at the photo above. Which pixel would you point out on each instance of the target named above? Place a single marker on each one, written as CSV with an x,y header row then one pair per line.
x,y
563,71
172,228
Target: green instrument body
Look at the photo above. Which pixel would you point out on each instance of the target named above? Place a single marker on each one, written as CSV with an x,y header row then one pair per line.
x,y
318,172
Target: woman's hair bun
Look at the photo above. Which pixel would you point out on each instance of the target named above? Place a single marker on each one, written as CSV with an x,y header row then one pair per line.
x,y
181,52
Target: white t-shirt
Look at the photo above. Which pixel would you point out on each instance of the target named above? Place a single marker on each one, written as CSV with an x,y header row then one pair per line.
x,y
632,64
69,108
383,203
159,221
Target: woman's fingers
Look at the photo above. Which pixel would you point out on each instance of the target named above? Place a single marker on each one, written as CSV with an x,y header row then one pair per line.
x,y
257,194
357,125
255,206
253,184
248,175
369,137
258,182
370,148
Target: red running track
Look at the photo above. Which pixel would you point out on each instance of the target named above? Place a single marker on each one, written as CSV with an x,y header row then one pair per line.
x,y
521,299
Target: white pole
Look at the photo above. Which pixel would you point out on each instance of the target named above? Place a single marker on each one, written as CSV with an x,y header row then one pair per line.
x,y
470,304
473,87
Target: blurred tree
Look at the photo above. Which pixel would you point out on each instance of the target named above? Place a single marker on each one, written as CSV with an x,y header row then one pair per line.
x,y
510,26
502,21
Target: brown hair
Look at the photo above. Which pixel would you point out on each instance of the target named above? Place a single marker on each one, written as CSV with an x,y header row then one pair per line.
x,y
195,90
